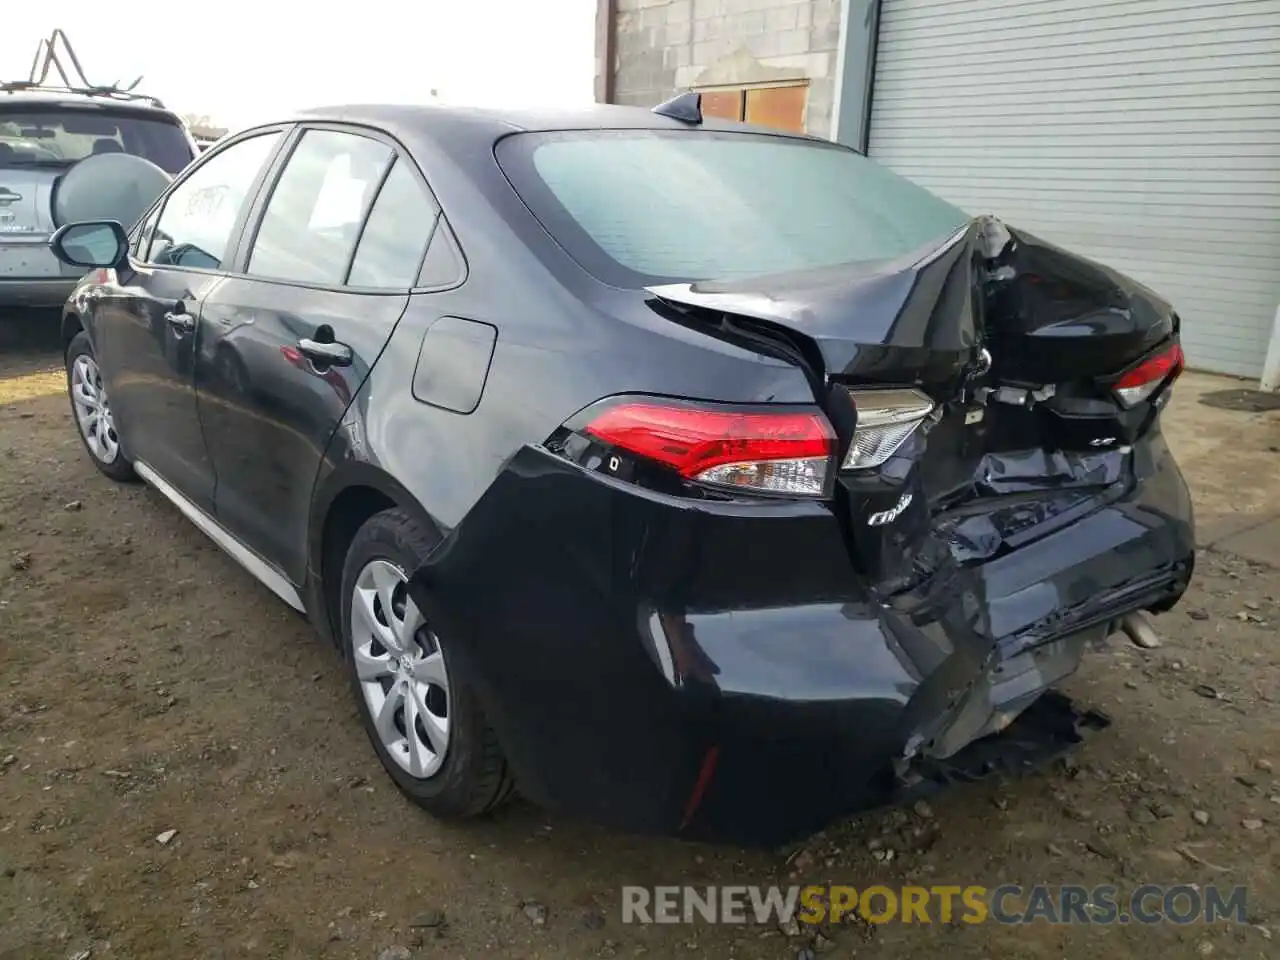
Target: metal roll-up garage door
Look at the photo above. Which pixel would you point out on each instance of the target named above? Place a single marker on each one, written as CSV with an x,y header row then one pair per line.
x,y
1142,133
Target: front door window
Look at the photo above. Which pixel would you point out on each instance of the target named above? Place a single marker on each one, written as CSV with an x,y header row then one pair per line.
x,y
196,225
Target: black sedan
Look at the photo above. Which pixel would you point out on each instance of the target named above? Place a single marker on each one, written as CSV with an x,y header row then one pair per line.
x,y
690,476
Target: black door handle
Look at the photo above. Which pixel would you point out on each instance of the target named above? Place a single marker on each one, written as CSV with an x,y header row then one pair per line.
x,y
327,354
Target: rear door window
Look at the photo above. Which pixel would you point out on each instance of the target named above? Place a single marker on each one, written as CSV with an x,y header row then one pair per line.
x,y
642,206
396,235
199,217
312,221
61,137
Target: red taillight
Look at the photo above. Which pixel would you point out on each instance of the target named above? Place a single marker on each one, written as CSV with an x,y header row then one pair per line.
x,y
785,452
1143,380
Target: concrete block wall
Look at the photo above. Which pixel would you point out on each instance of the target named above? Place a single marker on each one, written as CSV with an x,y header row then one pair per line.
x,y
662,47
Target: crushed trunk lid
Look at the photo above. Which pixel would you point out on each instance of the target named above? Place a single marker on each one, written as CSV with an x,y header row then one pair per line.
x,y
983,320
1043,313
972,385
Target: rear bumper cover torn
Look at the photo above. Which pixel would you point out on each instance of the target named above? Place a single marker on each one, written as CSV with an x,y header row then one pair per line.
x,y
1048,729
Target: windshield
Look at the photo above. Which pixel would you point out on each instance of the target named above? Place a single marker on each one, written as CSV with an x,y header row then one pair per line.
x,y
636,207
64,136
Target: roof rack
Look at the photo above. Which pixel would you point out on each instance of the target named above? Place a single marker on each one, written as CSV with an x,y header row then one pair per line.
x,y
49,57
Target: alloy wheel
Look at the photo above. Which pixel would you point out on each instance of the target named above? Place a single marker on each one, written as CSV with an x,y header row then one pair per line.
x,y
93,410
401,670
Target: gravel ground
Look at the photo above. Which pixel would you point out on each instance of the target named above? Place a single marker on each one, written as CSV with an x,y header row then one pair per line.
x,y
148,685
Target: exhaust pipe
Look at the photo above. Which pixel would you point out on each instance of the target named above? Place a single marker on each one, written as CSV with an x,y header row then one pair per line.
x,y
1137,627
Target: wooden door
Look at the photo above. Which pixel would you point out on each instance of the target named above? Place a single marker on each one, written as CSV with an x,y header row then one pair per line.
x,y
779,108
725,104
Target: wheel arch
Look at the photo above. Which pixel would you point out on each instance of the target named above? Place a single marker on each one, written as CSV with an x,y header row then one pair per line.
x,y
71,325
346,499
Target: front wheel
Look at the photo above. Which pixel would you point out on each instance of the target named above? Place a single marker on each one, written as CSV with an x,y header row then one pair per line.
x,y
91,408
424,721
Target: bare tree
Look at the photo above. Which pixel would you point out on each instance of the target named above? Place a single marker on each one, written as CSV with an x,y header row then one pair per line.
x,y
202,126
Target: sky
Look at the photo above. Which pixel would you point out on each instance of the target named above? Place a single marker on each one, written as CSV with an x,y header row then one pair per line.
x,y
256,61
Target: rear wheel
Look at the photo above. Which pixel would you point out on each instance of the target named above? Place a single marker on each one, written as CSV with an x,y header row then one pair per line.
x,y
425,723
91,408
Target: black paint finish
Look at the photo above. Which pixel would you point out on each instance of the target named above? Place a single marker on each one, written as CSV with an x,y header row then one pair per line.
x,y
144,328
667,627
268,410
628,643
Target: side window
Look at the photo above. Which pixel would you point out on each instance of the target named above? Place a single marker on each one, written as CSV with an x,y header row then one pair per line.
x,y
142,243
443,264
312,221
396,234
195,224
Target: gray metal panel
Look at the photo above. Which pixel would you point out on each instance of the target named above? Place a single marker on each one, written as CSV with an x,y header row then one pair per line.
x,y
1143,133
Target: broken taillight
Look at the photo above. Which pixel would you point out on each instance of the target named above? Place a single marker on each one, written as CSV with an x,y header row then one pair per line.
x,y
786,452
885,419
1143,380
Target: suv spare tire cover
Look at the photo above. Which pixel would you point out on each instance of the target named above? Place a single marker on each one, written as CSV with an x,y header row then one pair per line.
x,y
109,186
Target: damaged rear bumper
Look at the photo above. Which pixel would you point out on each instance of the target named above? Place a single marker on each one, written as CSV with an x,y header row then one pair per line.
x,y
721,669
1050,727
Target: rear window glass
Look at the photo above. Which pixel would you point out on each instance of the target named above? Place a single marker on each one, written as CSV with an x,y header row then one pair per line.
x,y
64,136
636,207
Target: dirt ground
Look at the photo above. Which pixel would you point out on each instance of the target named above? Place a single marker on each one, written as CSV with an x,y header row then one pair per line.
x,y
148,684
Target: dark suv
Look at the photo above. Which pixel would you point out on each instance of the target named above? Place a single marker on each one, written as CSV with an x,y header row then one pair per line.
x,y
46,133
691,476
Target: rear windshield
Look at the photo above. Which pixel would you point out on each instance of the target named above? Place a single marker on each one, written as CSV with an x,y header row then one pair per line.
x,y
636,207
63,136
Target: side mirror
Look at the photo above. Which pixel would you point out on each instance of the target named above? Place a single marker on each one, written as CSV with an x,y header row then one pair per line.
x,y
91,243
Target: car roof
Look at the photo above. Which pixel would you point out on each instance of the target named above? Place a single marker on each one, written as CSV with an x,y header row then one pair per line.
x,y
438,121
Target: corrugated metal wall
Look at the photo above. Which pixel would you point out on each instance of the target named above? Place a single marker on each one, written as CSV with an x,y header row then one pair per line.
x,y
1143,133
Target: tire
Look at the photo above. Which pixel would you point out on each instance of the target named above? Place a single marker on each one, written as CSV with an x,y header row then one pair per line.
x,y
471,777
91,411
